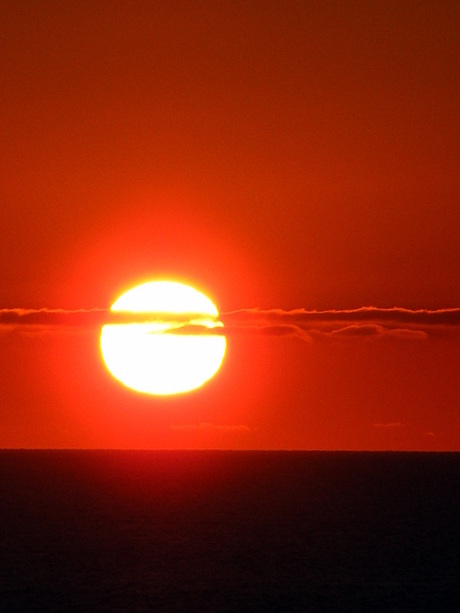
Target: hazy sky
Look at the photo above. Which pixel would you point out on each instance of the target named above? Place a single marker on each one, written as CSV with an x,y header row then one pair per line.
x,y
279,155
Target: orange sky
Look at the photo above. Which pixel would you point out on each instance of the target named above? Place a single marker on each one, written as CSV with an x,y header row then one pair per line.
x,y
279,155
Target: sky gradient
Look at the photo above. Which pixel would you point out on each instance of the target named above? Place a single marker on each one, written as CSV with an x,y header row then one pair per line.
x,y
286,158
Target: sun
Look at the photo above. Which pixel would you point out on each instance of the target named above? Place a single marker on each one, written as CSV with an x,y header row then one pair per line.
x,y
160,356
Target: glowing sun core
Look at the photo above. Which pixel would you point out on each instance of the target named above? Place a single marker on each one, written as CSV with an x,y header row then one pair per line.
x,y
155,357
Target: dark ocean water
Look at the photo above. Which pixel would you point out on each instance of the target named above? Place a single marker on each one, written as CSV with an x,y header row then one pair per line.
x,y
229,531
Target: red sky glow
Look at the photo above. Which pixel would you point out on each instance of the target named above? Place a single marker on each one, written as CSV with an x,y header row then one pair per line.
x,y
295,161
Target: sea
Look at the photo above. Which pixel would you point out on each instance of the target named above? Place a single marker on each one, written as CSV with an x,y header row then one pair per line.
x,y
182,531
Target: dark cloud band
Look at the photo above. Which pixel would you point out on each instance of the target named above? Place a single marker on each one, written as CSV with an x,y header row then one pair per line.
x,y
309,325
396,315
364,322
83,317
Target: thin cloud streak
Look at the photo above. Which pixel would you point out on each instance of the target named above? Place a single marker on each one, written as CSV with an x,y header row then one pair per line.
x,y
83,317
395,315
53,317
365,322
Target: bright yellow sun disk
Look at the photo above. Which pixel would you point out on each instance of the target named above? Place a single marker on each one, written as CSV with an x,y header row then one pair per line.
x,y
148,359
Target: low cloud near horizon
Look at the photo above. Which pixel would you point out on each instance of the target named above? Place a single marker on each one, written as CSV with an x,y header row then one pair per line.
x,y
308,325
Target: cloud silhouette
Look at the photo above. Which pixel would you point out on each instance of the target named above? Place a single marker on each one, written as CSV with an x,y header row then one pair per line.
x,y
308,325
371,314
364,322
82,317
53,317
